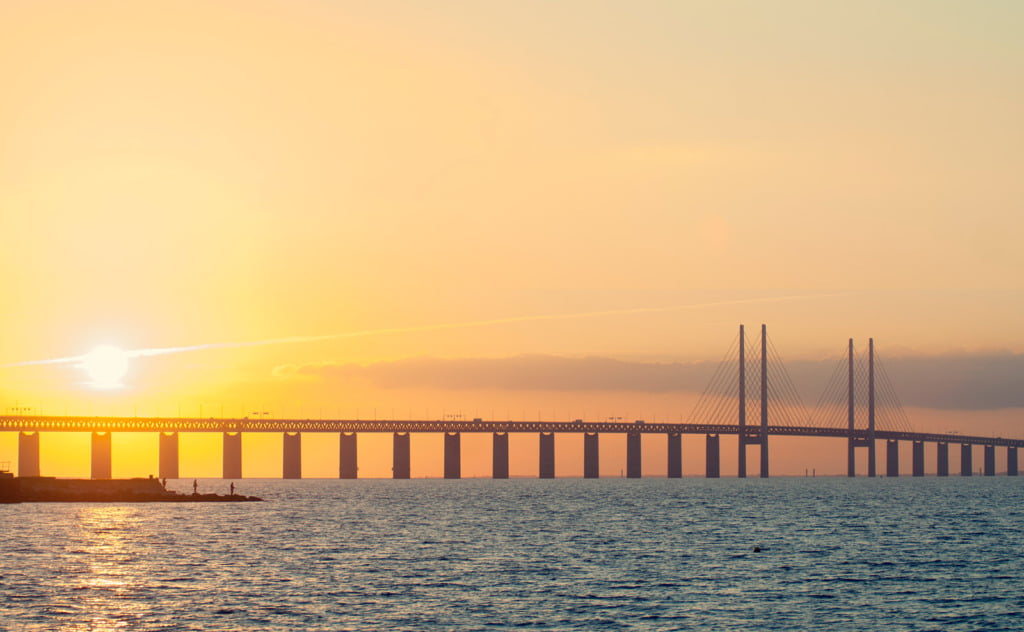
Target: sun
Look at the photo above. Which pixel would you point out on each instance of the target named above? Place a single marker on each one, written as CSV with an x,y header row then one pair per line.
x,y
106,365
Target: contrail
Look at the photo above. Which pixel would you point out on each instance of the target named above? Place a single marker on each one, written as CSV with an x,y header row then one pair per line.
x,y
157,351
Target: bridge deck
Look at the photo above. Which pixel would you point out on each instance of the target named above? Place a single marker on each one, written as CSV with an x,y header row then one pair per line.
x,y
28,423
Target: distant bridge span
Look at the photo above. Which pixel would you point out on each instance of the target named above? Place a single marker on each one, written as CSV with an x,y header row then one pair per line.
x,y
29,427
229,425
726,399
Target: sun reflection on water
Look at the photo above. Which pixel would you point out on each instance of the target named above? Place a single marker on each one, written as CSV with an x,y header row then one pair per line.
x,y
110,574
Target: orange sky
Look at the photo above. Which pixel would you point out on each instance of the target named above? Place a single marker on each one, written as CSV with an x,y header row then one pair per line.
x,y
648,175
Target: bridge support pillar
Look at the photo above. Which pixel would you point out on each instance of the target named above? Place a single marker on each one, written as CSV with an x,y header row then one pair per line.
x,y
712,466
101,455
232,458
675,455
28,454
966,464
499,463
1011,461
918,458
942,468
764,452
452,455
168,455
634,458
400,456
892,457
547,455
348,455
990,460
591,458
292,455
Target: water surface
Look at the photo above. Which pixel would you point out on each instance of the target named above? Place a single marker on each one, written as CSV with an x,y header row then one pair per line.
x,y
566,554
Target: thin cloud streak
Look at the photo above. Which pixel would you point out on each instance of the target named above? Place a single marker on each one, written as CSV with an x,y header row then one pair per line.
x,y
158,351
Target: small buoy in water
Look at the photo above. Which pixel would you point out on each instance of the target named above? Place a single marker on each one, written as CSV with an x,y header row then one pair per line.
x,y
757,549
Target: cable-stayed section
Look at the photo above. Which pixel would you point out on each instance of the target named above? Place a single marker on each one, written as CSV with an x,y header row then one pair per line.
x,y
890,415
854,375
831,409
733,396
717,404
785,405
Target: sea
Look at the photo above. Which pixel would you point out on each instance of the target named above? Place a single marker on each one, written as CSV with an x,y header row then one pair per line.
x,y
526,554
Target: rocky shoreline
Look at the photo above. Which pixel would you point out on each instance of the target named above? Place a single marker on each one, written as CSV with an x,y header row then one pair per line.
x,y
135,490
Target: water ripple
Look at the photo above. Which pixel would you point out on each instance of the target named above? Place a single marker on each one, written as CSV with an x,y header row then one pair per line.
x,y
892,554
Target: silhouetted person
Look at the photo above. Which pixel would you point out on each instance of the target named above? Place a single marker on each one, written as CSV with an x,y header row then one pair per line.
x,y
232,489
195,487
164,483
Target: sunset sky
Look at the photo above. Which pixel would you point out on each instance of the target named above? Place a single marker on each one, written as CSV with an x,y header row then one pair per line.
x,y
342,209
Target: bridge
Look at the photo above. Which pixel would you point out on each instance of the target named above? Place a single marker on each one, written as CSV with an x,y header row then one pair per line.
x,y
723,410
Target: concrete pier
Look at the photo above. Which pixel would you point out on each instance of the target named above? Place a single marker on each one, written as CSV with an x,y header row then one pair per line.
x,y
547,455
990,460
918,458
942,468
168,455
452,455
1011,461
712,466
634,457
101,455
28,454
348,455
892,458
675,455
591,458
232,458
499,466
400,456
292,451
966,464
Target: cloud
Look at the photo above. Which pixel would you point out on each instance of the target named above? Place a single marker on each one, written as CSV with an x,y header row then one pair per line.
x,y
966,382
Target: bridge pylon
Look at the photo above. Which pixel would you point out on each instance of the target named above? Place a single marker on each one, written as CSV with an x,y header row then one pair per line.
x,y
757,435
861,438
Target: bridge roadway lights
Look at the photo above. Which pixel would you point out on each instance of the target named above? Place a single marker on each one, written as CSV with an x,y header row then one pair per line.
x,y
547,455
168,467
452,455
591,456
499,462
966,466
918,458
100,462
634,457
892,458
712,465
1011,461
990,460
231,462
400,459
675,455
28,454
348,455
292,452
942,468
